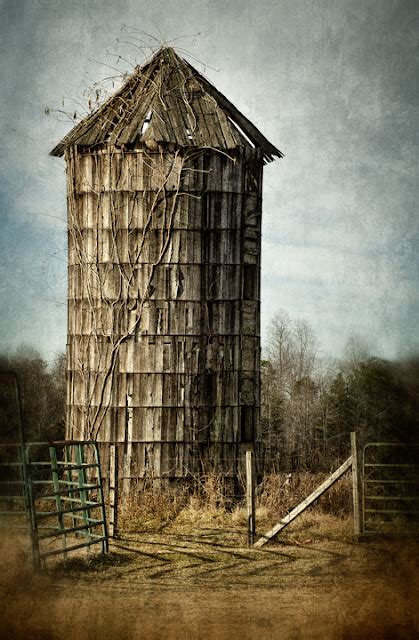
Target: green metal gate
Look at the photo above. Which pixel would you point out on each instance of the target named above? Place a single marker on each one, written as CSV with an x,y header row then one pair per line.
x,y
54,491
390,496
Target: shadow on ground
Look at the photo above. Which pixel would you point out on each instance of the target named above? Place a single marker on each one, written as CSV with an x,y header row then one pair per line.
x,y
201,585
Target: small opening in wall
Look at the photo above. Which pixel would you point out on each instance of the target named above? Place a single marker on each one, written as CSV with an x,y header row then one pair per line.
x,y
249,281
246,424
146,122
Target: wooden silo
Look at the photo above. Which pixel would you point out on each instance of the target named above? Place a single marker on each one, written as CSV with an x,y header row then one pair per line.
x,y
164,202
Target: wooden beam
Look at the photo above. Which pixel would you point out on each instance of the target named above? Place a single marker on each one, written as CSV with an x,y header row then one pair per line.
x,y
315,495
128,443
250,498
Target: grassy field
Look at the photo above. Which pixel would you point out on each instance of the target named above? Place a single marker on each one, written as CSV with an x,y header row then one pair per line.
x,y
183,571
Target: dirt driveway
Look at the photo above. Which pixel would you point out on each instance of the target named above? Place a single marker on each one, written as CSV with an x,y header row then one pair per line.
x,y
204,585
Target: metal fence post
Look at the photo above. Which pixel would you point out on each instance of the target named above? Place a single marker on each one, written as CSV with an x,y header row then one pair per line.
x,y
82,481
113,490
105,535
58,500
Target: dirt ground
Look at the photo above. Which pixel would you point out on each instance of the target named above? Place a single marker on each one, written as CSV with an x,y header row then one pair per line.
x,y
203,583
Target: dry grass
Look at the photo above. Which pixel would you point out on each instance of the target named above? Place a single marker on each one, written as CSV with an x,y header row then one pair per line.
x,y
150,509
281,492
209,508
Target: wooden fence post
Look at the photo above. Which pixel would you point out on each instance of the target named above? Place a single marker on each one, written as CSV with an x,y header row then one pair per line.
x,y
250,498
356,485
113,490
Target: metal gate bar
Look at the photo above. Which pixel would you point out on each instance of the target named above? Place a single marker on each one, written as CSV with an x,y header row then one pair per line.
x,y
63,496
390,496
12,487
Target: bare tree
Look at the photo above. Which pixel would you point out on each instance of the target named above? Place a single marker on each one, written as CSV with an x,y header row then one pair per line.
x,y
290,391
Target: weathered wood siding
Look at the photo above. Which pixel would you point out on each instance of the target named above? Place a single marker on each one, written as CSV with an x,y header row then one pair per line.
x,y
163,305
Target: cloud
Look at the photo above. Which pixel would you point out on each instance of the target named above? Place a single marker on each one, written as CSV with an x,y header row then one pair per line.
x,y
331,84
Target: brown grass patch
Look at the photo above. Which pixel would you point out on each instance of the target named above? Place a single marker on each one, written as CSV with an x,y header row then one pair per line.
x,y
193,577
179,589
281,492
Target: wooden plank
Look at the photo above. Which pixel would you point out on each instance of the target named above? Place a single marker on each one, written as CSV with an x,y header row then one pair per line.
x,y
128,441
230,142
213,124
250,498
201,126
315,495
130,124
173,119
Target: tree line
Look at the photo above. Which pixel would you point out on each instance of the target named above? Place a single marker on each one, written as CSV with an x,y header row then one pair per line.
x,y
308,406
43,394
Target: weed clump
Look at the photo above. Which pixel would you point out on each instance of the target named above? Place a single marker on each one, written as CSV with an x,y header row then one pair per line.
x,y
278,493
151,507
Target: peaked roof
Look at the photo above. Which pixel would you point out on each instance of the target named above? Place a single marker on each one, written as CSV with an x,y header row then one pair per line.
x,y
168,100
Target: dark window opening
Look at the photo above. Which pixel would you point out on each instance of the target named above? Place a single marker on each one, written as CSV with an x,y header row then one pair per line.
x,y
246,424
249,281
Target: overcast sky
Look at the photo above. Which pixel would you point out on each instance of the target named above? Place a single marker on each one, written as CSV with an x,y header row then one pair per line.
x,y
332,83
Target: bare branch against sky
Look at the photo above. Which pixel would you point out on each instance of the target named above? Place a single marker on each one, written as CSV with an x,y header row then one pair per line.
x,y
332,83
